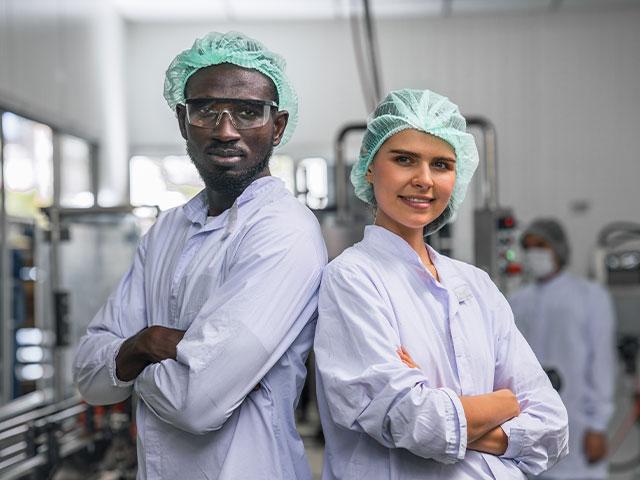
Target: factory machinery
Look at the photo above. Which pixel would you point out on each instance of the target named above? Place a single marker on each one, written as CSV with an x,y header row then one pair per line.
x,y
44,440
46,430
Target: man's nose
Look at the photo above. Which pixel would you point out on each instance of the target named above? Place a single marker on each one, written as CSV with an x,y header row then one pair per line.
x,y
224,128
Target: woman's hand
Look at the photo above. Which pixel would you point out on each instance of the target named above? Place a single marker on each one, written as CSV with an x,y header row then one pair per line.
x,y
406,359
485,413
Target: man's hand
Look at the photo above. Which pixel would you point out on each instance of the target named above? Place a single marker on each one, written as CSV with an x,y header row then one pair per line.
x,y
595,446
150,345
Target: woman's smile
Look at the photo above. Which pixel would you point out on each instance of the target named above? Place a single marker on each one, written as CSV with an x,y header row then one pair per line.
x,y
413,174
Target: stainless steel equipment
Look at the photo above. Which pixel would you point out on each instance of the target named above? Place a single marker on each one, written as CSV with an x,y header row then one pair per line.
x,y
494,226
617,265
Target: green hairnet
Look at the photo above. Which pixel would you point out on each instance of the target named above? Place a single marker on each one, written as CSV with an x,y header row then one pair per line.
x,y
427,112
232,47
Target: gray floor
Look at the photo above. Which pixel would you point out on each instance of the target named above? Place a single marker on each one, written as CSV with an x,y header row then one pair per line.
x,y
314,448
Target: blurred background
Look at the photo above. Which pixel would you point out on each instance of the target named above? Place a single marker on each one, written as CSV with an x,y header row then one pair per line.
x,y
90,153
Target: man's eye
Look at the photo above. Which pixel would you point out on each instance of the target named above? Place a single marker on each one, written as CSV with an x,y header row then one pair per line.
x,y
247,113
206,110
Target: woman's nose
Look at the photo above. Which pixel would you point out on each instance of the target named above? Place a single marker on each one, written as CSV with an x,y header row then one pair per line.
x,y
422,177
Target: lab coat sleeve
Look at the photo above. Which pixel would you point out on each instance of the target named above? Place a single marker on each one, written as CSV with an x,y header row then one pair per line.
x,y
241,331
122,316
538,437
599,404
367,387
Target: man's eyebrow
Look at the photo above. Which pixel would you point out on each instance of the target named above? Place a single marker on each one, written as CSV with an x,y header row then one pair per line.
x,y
400,151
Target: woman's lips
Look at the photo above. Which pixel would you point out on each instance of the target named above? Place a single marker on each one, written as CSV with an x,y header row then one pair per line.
x,y
418,202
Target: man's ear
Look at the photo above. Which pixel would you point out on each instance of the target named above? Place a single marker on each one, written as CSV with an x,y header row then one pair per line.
x,y
368,175
181,113
280,120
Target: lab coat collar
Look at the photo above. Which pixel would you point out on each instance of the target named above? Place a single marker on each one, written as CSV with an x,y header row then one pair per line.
x,y
451,285
554,282
197,209
391,244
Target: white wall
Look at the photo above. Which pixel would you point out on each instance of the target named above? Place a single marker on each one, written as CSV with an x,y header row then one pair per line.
x,y
60,63
560,87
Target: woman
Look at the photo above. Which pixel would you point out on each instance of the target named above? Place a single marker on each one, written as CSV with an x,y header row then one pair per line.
x,y
421,371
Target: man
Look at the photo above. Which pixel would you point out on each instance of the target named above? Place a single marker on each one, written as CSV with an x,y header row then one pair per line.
x,y
212,324
568,321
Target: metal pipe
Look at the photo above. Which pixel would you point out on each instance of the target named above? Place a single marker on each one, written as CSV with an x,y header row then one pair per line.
x,y
373,54
365,81
341,183
6,324
490,180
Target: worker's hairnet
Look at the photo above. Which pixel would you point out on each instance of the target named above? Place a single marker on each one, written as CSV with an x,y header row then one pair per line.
x,y
552,232
232,47
427,112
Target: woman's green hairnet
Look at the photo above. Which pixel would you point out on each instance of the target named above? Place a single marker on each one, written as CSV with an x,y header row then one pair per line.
x,y
427,112
232,47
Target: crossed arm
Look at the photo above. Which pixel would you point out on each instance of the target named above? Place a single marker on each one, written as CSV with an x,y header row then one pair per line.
x,y
484,414
150,345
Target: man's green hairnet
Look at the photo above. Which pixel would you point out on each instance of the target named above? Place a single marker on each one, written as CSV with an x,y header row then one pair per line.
x,y
232,47
427,112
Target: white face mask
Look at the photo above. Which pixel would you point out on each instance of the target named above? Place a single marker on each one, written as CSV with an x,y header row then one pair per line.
x,y
539,262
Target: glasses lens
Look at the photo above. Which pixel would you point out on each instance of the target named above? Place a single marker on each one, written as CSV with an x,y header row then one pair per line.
x,y
208,113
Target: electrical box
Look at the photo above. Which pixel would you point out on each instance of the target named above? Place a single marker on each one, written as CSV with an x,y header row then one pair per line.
x,y
494,242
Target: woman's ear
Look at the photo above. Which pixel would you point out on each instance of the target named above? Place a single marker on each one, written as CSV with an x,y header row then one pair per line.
x,y
368,175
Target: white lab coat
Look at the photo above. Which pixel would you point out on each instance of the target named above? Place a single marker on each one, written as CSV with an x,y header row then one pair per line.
x,y
244,286
569,323
384,420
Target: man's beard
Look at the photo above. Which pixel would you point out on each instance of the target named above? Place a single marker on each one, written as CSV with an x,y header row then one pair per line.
x,y
229,181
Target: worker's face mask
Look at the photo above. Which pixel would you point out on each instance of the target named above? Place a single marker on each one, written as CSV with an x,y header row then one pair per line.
x,y
539,262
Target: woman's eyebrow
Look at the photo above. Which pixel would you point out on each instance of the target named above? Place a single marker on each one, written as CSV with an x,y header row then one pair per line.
x,y
399,151
405,152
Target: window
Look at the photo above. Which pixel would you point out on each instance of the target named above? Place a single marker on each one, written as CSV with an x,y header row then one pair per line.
x,y
28,165
312,183
76,188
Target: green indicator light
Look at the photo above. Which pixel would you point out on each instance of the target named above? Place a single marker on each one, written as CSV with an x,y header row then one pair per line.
x,y
510,255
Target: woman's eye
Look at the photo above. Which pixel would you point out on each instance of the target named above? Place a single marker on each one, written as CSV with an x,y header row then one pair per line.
x,y
403,160
443,165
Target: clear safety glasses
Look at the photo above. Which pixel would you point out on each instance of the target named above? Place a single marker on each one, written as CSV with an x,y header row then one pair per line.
x,y
244,114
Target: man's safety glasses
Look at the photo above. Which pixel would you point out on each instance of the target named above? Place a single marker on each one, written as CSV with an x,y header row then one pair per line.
x,y
244,114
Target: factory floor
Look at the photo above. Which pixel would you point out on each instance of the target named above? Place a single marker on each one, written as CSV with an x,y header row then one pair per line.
x,y
309,430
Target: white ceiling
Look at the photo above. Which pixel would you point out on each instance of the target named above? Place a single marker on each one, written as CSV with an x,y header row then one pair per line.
x,y
269,10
